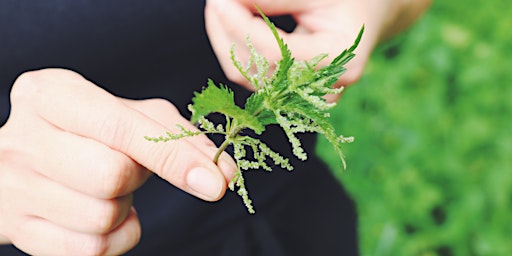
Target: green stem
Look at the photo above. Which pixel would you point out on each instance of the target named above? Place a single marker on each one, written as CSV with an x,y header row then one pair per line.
x,y
234,130
221,149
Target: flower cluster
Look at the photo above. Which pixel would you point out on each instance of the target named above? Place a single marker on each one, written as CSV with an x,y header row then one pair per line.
x,y
292,97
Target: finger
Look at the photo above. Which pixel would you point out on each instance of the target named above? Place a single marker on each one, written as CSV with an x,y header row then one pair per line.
x,y
221,43
80,163
159,109
231,21
38,196
281,7
223,35
238,22
40,237
167,115
74,104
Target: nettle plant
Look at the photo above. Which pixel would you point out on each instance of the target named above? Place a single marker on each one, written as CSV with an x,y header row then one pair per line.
x,y
291,97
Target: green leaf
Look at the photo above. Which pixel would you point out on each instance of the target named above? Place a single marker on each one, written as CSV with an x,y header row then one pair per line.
x,y
347,54
254,103
256,107
280,75
267,117
291,97
221,100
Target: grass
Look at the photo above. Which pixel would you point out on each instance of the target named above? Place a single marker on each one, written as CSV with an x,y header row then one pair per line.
x,y
431,165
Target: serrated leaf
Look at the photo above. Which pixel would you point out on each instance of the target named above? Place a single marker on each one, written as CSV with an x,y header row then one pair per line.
x,y
221,100
300,74
254,103
267,117
290,97
286,61
255,106
348,54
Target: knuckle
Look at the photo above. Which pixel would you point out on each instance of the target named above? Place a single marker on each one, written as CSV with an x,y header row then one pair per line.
x,y
115,177
106,217
134,236
101,244
116,130
95,245
30,84
25,86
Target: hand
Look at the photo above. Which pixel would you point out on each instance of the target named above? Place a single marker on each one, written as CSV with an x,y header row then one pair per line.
x,y
323,26
71,156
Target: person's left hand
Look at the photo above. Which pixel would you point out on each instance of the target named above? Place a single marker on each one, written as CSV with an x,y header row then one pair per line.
x,y
323,26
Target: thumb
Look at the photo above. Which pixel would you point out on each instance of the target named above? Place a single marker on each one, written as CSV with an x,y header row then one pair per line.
x,y
68,101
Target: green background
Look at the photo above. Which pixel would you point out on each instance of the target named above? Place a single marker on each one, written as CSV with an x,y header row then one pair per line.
x,y
431,165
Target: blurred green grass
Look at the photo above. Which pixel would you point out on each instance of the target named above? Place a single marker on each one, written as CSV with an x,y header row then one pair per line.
x,y
431,165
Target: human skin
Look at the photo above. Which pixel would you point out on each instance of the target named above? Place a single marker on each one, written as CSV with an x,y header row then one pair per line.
x,y
71,154
323,26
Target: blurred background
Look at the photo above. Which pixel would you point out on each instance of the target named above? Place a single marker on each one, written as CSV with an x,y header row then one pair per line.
x,y
431,165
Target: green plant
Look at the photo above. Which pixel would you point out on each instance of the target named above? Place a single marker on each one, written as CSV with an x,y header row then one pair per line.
x,y
292,97
431,169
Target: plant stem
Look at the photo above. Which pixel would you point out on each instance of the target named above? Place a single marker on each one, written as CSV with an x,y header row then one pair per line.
x,y
221,149
234,130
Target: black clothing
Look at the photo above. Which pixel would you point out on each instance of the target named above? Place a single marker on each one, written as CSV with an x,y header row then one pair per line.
x,y
156,48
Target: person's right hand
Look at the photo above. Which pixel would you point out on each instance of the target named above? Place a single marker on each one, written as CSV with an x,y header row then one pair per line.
x,y
71,155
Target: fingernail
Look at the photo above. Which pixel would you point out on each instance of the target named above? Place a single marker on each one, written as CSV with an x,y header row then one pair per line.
x,y
204,182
